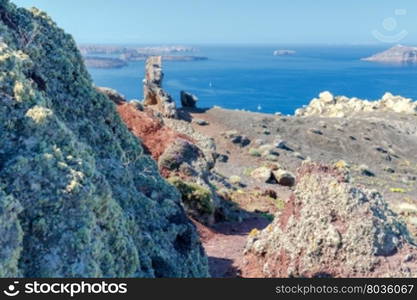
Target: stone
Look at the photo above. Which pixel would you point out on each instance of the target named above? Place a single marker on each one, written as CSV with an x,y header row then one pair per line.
x,y
284,178
327,97
262,174
316,131
236,138
201,122
188,100
179,153
365,171
281,144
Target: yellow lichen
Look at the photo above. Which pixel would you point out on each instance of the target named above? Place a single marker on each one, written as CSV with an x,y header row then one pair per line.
x,y
39,114
254,233
398,190
341,164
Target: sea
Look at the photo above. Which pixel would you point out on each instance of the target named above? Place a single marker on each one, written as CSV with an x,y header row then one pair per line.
x,y
251,78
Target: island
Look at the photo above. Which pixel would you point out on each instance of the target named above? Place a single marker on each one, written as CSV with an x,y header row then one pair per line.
x,y
104,62
284,52
396,55
117,50
135,56
110,56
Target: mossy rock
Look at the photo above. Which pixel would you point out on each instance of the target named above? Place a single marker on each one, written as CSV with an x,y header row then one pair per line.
x,y
78,195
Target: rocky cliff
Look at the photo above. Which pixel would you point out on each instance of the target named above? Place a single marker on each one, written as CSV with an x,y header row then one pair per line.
x,y
78,195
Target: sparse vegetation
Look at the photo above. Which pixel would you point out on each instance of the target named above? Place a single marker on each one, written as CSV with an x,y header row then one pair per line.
x,y
196,199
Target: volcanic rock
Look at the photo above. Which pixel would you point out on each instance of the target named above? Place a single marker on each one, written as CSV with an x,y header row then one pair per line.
x,y
331,228
340,106
188,100
78,195
284,178
154,95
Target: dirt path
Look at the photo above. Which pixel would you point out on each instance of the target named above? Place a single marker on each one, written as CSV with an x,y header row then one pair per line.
x,y
224,245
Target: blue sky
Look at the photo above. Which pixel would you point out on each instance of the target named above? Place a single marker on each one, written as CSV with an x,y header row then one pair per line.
x,y
234,21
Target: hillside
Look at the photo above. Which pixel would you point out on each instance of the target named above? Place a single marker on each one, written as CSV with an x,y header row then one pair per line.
x,y
78,195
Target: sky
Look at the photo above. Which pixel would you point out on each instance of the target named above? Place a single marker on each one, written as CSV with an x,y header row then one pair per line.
x,y
235,21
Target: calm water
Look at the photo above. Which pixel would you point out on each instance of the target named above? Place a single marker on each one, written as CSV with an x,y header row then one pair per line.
x,y
251,77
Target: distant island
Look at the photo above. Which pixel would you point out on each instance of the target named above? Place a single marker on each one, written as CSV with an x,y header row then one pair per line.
x,y
398,55
117,50
284,52
108,56
104,62
132,56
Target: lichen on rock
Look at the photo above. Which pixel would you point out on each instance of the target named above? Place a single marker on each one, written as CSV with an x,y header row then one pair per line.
x,y
329,227
78,195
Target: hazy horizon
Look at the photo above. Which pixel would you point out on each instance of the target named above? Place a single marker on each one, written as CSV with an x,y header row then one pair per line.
x,y
265,22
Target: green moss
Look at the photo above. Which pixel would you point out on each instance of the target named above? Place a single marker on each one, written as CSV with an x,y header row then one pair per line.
x,y
11,236
196,198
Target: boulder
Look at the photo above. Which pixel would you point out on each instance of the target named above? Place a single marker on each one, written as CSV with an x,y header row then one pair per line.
x,y
236,138
201,122
327,97
181,155
284,178
283,145
188,100
263,174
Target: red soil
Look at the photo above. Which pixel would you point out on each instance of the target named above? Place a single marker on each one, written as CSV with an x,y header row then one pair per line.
x,y
145,125
224,244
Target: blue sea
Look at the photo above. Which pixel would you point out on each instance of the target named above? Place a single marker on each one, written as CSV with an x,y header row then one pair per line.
x,y
251,78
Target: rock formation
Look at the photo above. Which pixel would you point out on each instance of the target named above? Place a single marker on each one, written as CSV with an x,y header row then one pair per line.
x,y
184,157
154,95
398,54
78,195
328,105
330,227
188,100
